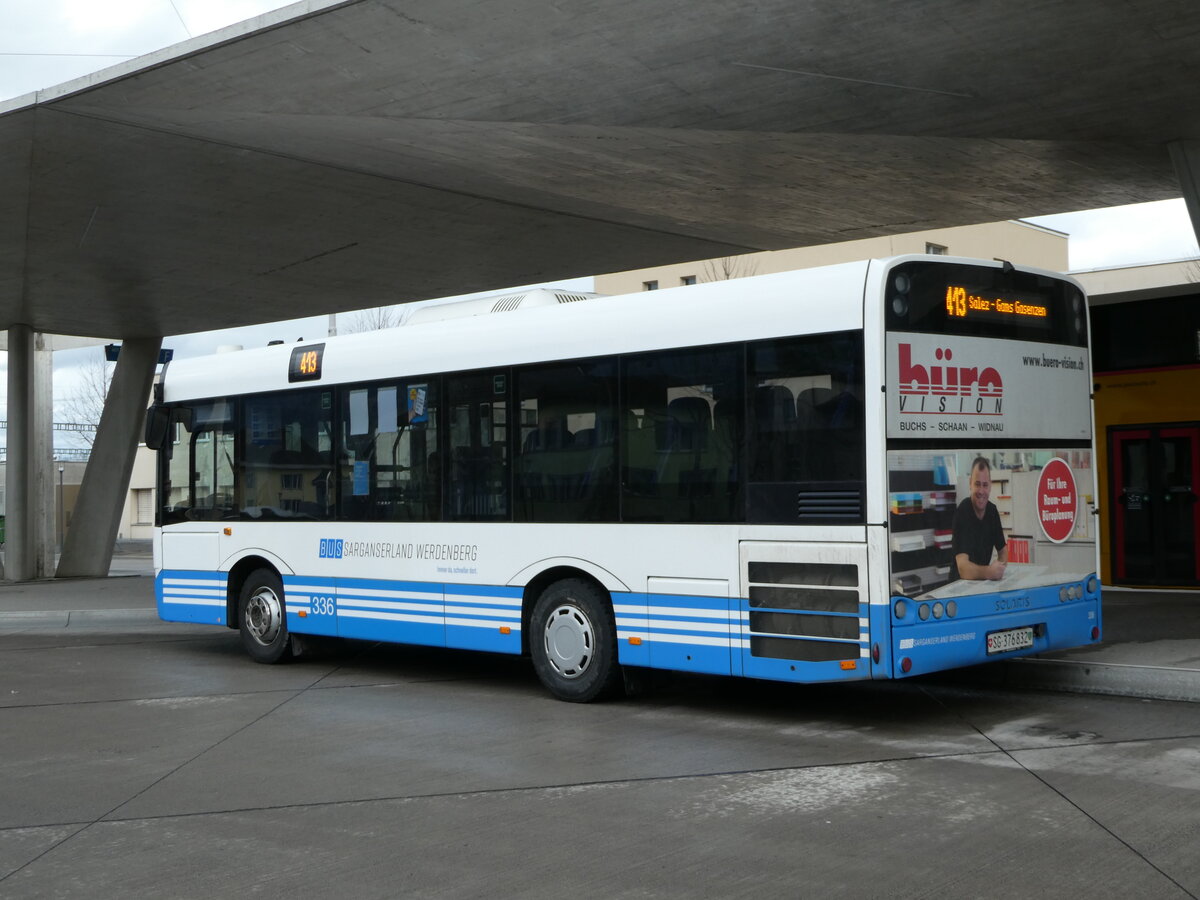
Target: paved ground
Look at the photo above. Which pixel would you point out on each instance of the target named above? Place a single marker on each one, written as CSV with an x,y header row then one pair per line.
x,y
140,759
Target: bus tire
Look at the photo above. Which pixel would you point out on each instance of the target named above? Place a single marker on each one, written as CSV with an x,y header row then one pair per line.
x,y
573,642
262,618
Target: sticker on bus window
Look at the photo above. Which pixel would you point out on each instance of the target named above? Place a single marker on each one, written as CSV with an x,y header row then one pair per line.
x,y
362,477
418,412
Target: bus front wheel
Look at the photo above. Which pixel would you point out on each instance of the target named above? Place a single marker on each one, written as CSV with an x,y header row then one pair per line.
x,y
262,618
573,642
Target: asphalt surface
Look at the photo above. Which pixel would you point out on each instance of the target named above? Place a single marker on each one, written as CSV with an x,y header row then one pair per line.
x,y
145,759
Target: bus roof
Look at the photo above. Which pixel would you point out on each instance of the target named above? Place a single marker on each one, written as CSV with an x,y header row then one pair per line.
x,y
805,301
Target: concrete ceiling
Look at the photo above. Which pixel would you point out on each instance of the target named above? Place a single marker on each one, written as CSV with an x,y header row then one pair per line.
x,y
335,156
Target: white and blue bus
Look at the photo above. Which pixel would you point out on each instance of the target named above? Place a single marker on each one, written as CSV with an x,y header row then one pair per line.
x,y
871,470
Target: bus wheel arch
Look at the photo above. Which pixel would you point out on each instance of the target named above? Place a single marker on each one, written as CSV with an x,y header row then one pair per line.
x,y
571,633
239,571
261,614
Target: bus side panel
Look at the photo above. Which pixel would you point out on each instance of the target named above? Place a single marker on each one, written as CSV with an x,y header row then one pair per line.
x,y
682,624
311,604
184,595
405,612
805,613
483,617
881,605
631,610
689,633
187,589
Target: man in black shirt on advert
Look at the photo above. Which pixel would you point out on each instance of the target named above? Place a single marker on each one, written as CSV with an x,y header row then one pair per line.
x,y
977,530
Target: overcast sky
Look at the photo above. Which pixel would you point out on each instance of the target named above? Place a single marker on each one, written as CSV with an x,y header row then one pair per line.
x,y
47,42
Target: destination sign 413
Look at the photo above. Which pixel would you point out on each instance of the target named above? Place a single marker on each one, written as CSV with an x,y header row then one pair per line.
x,y
946,386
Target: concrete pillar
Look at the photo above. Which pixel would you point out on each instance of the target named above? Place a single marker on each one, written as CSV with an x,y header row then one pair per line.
x,y
18,530
1185,155
29,492
88,547
43,470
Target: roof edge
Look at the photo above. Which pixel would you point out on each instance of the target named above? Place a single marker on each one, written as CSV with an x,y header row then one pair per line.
x,y
284,15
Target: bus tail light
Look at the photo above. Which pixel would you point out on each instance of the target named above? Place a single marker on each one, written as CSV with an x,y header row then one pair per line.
x,y
906,665
875,654
1095,632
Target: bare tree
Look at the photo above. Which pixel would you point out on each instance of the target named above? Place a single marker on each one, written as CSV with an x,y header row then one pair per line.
x,y
85,404
729,267
378,318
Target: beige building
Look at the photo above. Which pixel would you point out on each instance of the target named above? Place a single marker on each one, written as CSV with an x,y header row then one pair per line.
x,y
137,514
1015,241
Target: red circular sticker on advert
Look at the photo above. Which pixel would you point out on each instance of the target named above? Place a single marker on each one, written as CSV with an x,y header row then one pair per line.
x,y
1057,502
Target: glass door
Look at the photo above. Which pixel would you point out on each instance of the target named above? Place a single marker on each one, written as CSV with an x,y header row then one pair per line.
x,y
1155,514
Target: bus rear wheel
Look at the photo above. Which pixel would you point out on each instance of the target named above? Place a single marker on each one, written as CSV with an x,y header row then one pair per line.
x,y
262,618
573,642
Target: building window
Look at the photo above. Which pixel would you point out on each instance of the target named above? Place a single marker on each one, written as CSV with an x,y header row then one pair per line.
x,y
144,504
687,279
935,249
650,285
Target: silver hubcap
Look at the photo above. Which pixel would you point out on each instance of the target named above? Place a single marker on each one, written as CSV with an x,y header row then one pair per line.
x,y
570,642
264,616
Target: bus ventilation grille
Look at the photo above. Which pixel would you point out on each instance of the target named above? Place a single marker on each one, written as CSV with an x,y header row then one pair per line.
x,y
828,505
507,303
569,298
804,611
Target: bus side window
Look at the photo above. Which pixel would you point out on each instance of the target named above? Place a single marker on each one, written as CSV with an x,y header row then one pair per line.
x,y
287,455
201,471
676,466
478,480
808,437
565,465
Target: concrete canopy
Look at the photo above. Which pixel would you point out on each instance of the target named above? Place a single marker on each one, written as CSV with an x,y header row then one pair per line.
x,y
335,156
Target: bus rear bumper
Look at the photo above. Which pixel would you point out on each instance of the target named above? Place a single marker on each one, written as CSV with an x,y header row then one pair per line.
x,y
927,647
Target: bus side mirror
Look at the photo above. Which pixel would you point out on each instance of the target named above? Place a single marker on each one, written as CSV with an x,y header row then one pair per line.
x,y
158,427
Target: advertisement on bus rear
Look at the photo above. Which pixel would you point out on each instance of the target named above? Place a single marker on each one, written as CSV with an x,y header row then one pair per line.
x,y
965,388
972,521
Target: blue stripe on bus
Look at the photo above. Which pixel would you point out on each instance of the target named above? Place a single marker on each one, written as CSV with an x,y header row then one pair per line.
x,y
484,617
310,604
184,595
673,631
410,612
469,590
666,631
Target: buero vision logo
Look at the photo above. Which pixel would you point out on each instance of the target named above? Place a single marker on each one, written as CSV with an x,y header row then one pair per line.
x,y
331,548
946,380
